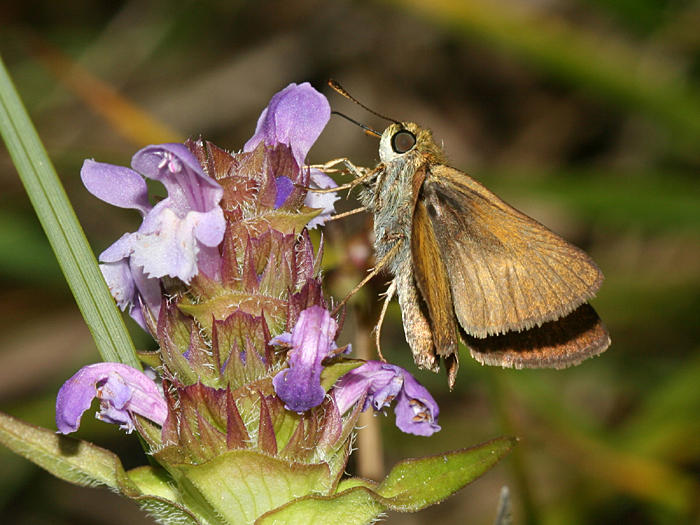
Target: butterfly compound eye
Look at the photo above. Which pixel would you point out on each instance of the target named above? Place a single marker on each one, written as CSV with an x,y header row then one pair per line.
x,y
403,141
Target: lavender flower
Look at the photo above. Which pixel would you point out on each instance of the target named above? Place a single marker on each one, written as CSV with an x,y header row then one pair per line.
x,y
311,341
295,117
122,391
380,383
178,236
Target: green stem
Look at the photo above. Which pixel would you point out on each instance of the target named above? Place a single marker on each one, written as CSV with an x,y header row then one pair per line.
x,y
62,228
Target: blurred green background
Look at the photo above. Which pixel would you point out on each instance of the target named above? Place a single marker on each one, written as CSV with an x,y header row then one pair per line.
x,y
583,113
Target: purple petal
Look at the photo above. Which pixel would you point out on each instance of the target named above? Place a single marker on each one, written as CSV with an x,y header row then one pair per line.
x,y
132,289
176,234
166,244
119,250
116,185
285,338
209,261
284,189
122,391
178,237
381,383
148,296
416,410
209,227
367,379
299,386
121,284
325,201
385,387
189,188
295,116
348,390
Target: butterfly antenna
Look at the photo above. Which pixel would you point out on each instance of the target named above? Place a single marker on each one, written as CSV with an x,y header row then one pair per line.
x,y
341,90
367,129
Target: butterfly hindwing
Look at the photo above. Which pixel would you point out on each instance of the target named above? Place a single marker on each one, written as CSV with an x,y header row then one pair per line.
x,y
556,344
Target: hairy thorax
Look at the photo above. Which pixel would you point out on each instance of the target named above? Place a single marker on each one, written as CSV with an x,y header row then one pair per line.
x,y
389,197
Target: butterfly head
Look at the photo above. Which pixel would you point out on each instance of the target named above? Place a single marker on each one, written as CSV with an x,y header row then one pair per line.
x,y
406,138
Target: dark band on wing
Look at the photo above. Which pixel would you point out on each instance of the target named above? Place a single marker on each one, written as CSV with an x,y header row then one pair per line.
x,y
556,344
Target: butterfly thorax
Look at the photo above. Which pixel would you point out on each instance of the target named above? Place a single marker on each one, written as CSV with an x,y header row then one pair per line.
x,y
390,196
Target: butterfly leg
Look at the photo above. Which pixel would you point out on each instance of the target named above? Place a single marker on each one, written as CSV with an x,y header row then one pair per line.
x,y
389,294
330,166
360,177
345,214
357,172
360,174
383,262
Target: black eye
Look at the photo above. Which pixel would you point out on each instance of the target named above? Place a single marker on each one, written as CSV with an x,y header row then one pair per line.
x,y
403,141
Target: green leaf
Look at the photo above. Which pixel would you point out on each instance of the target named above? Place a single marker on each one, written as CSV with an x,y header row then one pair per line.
x,y
160,497
168,513
240,485
62,228
153,481
414,484
331,373
350,483
85,464
353,507
66,458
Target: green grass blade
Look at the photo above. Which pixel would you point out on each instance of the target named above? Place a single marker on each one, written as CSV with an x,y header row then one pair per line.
x,y
62,228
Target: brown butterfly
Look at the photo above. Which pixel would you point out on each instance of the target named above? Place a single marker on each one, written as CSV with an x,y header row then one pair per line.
x,y
467,265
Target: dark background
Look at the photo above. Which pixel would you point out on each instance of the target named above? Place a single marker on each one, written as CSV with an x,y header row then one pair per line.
x,y
583,113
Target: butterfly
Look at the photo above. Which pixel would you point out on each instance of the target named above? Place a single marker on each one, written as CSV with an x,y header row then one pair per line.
x,y
468,266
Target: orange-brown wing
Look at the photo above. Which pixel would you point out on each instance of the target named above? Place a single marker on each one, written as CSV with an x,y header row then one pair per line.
x,y
433,283
507,272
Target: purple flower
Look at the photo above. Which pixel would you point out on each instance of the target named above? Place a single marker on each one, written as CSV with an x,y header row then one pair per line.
x,y
325,201
122,391
311,341
295,117
380,383
178,236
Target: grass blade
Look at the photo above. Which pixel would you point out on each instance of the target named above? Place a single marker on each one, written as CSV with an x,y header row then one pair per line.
x,y
62,228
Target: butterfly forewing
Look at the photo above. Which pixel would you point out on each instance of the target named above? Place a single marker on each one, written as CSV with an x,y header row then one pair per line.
x,y
433,282
507,272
